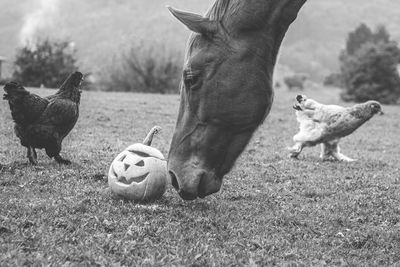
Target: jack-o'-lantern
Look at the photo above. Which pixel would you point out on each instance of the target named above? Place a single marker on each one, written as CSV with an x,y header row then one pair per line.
x,y
139,172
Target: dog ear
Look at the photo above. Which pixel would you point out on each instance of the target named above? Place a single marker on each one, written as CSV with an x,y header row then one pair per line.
x,y
299,98
297,107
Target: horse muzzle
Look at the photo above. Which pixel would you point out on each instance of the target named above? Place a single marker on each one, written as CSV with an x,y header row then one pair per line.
x,y
192,184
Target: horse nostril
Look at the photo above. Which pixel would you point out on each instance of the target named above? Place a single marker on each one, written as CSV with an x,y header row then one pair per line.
x,y
174,180
187,196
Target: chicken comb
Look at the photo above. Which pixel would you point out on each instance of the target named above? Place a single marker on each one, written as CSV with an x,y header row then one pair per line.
x,y
12,84
14,87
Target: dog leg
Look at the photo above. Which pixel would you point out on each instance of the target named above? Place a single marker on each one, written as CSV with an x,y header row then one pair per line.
x,y
296,150
339,156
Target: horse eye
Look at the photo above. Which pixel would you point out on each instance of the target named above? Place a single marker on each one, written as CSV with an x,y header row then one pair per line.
x,y
190,79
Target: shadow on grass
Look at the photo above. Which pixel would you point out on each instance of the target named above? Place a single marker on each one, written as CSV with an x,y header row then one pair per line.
x,y
11,167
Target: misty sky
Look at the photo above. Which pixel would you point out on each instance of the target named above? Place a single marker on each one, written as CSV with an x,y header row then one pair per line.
x,y
101,29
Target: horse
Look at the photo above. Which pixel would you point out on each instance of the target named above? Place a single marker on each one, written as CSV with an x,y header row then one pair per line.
x,y
226,90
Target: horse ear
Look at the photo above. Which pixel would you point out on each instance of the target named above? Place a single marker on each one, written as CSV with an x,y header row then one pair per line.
x,y
194,22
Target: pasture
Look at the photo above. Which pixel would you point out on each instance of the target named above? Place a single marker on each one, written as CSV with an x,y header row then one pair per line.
x,y
271,211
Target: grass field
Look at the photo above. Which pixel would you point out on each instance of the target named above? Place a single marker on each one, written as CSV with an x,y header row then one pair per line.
x,y
271,210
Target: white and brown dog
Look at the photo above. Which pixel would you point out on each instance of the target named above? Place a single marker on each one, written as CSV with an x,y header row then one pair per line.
x,y
327,124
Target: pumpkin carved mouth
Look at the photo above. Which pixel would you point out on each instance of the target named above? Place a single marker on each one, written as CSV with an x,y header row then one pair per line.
x,y
124,180
139,179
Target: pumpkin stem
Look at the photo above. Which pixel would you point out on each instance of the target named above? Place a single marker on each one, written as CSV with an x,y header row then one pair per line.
x,y
149,138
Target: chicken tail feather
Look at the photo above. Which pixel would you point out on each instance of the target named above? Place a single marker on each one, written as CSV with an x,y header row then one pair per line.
x,y
25,107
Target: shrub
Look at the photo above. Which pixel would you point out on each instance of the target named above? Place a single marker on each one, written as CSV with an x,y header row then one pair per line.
x,y
3,80
44,63
295,81
149,69
334,79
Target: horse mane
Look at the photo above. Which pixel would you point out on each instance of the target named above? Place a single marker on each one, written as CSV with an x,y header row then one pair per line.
x,y
219,9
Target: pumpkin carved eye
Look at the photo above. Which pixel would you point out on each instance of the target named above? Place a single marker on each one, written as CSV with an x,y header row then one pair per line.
x,y
144,155
140,163
140,153
122,158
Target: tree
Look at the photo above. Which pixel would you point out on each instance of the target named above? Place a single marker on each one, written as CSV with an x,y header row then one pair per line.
x,y
369,67
372,73
381,35
362,35
44,63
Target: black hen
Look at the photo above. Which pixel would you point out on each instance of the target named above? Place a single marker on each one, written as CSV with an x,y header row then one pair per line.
x,y
44,122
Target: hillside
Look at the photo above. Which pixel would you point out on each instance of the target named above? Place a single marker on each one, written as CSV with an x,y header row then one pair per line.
x,y
315,40
103,28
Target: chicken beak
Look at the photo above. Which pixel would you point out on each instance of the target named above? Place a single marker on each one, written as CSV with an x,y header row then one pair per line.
x,y
381,113
80,84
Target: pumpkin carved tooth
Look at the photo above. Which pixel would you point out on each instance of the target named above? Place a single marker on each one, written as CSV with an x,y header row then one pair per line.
x,y
139,172
123,180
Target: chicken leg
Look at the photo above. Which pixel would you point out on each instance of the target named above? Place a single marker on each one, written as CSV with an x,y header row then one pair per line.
x,y
332,149
61,160
32,156
53,151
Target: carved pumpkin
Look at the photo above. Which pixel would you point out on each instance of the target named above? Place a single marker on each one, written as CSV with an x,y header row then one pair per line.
x,y
138,173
